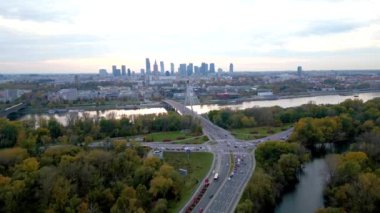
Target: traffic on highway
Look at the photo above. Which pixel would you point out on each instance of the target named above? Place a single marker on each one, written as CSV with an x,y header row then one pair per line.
x,y
232,167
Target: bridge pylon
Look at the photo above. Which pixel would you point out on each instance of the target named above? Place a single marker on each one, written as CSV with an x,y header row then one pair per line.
x,y
191,98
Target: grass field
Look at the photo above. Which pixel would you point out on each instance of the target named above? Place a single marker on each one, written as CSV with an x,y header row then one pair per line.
x,y
168,136
194,140
258,132
197,165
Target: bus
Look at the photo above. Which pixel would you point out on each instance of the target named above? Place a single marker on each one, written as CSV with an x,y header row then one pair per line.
x,y
216,176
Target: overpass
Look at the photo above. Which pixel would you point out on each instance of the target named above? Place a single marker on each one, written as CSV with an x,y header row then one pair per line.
x,y
13,109
223,194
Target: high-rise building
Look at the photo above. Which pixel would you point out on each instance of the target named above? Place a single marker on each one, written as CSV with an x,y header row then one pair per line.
x,y
147,66
231,67
196,70
204,69
162,68
155,68
172,68
123,70
114,68
129,72
182,69
212,68
115,71
299,71
142,72
103,72
189,69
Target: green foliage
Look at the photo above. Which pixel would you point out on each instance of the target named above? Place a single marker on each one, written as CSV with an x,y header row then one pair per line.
x,y
270,152
278,167
10,156
353,187
231,119
8,132
69,179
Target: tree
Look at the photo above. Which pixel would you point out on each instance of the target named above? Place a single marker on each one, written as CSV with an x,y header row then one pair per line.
x,y
290,166
161,206
60,193
126,202
245,207
160,186
8,133
11,156
55,128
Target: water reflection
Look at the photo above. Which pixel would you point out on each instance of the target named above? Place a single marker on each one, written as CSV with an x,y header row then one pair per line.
x,y
307,197
62,117
285,103
291,102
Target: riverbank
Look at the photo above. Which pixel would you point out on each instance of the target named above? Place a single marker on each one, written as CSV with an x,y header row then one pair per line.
x,y
298,95
157,104
222,103
88,107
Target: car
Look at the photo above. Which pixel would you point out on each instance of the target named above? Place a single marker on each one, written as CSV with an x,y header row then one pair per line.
x,y
211,196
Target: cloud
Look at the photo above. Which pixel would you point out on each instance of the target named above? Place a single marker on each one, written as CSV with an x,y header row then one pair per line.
x,y
184,31
30,47
330,27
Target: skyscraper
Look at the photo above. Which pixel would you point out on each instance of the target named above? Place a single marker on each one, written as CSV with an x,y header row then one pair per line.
x,y
155,68
129,72
103,72
182,69
115,71
162,68
147,66
204,69
196,70
123,70
231,67
189,69
212,68
172,68
299,71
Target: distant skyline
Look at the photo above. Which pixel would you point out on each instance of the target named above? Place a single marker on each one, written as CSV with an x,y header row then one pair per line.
x,y
55,36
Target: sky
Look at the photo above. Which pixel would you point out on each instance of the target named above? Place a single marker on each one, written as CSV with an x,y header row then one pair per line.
x,y
58,36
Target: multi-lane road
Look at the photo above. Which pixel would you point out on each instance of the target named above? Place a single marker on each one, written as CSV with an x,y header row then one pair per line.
x,y
233,162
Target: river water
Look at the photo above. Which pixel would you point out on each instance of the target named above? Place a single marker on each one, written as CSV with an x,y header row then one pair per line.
x,y
307,196
290,102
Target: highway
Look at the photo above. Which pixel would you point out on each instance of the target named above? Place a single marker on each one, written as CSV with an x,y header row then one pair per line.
x,y
233,162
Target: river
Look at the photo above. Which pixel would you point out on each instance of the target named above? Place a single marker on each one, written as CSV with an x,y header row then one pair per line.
x,y
289,102
307,196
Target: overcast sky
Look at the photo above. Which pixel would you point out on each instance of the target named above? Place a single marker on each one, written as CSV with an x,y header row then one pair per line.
x,y
83,36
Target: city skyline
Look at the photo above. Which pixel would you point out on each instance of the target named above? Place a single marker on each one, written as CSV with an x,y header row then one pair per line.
x,y
70,36
184,69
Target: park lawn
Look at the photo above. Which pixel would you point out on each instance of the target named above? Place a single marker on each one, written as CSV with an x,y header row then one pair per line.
x,y
258,132
194,140
167,136
198,164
